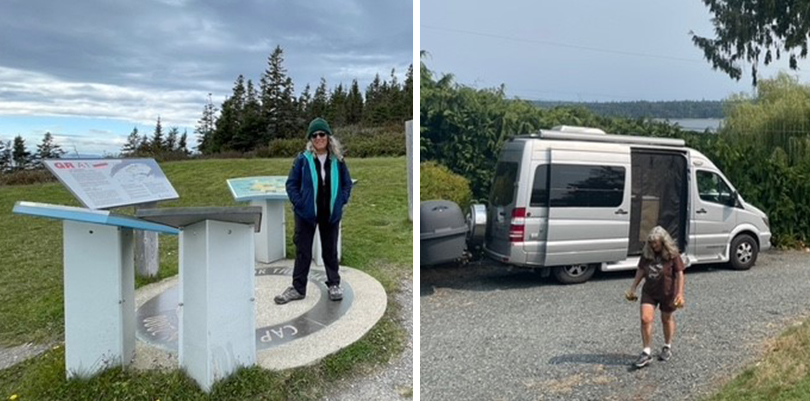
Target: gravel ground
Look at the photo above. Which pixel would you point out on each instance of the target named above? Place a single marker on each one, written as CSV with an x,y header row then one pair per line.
x,y
393,382
491,333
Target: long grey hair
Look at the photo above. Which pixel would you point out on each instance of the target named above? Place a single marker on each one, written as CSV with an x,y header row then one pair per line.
x,y
669,249
334,147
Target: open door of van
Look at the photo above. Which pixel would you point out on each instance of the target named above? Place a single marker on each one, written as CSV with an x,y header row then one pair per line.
x,y
589,206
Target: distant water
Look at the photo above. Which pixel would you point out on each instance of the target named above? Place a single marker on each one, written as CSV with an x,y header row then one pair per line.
x,y
695,124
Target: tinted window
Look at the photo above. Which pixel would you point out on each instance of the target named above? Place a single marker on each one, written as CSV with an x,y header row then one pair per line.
x,y
712,188
540,186
503,185
586,186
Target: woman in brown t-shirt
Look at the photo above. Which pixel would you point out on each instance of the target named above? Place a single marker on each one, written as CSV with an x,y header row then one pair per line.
x,y
661,268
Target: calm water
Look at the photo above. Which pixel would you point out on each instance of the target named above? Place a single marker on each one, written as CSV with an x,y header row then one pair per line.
x,y
696,124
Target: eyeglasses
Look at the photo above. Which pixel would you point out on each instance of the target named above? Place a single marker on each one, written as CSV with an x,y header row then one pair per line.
x,y
319,134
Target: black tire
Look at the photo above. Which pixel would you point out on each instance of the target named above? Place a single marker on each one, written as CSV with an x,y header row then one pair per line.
x,y
743,252
574,274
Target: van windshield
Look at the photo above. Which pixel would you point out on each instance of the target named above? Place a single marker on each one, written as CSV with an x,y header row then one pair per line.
x,y
503,185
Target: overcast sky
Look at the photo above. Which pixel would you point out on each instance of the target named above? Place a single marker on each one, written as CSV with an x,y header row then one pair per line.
x,y
90,71
579,50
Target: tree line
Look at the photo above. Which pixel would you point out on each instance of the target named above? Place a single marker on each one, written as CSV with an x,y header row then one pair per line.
x,y
646,109
159,144
14,155
251,117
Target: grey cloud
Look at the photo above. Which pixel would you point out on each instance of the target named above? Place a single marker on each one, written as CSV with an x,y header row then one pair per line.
x,y
185,46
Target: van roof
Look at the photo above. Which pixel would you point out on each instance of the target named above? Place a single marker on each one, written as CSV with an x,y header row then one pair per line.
x,y
589,137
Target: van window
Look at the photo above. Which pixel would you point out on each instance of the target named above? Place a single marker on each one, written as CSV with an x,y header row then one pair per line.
x,y
712,188
586,186
503,185
540,187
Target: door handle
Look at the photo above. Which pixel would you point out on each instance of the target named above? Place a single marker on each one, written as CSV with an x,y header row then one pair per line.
x,y
701,211
620,211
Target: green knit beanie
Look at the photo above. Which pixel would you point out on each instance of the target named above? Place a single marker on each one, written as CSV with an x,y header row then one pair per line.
x,y
318,124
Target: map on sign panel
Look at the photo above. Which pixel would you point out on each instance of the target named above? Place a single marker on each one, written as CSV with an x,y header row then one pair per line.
x,y
108,183
255,188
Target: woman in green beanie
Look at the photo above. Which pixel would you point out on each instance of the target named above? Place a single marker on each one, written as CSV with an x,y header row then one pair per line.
x,y
318,186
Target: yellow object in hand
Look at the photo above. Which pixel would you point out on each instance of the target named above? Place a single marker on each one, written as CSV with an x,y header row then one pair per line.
x,y
679,303
630,295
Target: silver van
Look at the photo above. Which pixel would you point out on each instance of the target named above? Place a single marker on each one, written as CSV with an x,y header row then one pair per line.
x,y
575,200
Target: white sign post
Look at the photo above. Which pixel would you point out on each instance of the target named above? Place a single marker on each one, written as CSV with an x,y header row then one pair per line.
x,y
409,153
109,183
99,284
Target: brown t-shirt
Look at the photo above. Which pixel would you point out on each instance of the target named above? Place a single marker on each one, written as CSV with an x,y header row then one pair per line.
x,y
659,277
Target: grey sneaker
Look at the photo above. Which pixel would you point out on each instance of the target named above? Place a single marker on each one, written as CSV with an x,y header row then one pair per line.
x,y
290,294
643,360
335,293
665,354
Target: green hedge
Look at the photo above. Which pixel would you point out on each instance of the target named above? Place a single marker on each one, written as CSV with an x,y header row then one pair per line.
x,y
438,182
356,141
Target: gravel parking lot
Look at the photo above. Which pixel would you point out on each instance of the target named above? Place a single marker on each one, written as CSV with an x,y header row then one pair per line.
x,y
495,334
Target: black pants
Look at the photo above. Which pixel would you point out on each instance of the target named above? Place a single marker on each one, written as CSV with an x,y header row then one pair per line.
x,y
303,238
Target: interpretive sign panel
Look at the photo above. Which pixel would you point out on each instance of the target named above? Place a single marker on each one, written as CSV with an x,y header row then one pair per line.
x,y
108,183
258,188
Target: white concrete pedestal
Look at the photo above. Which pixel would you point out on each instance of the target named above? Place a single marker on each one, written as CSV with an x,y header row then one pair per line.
x,y
270,240
99,297
217,313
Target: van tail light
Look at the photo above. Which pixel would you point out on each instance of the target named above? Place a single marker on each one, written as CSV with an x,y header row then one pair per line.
x,y
517,228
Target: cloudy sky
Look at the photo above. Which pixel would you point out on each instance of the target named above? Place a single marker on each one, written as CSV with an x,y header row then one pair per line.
x,y
90,71
579,50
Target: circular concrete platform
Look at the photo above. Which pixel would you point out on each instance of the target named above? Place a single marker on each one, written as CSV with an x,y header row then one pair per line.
x,y
287,336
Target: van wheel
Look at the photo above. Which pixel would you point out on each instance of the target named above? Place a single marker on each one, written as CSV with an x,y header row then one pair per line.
x,y
574,274
744,252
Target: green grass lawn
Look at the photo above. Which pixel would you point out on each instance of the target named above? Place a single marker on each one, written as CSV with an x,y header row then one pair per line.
x,y
782,375
377,238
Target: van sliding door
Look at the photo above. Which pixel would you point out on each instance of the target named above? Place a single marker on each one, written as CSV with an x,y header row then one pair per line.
x,y
589,206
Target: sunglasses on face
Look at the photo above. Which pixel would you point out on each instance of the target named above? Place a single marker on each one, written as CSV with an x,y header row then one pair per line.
x,y
319,134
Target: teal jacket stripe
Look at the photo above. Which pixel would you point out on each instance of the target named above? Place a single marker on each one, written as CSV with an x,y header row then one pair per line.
x,y
334,177
335,185
313,173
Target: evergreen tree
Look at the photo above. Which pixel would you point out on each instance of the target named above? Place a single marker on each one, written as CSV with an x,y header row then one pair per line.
x,y
354,104
320,101
752,31
230,119
19,154
48,150
288,114
375,113
337,107
205,127
251,126
158,144
144,146
171,139
5,156
182,145
131,145
407,96
305,103
276,97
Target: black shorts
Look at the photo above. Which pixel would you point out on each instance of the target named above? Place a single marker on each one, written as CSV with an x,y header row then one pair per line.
x,y
667,307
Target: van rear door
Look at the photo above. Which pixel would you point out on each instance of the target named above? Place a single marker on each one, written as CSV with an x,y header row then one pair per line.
x,y
589,206
502,200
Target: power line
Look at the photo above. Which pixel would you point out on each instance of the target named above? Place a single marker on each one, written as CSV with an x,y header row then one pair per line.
x,y
559,44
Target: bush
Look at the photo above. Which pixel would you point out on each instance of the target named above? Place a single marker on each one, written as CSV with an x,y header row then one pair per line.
x,y
26,177
438,182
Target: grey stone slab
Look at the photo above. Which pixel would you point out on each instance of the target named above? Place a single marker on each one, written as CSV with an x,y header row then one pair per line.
x,y
335,326
180,217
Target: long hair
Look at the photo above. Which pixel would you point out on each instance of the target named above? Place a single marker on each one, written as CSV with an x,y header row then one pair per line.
x,y
333,145
669,249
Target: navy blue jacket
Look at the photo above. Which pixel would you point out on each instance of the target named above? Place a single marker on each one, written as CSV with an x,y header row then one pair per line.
x,y
302,187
